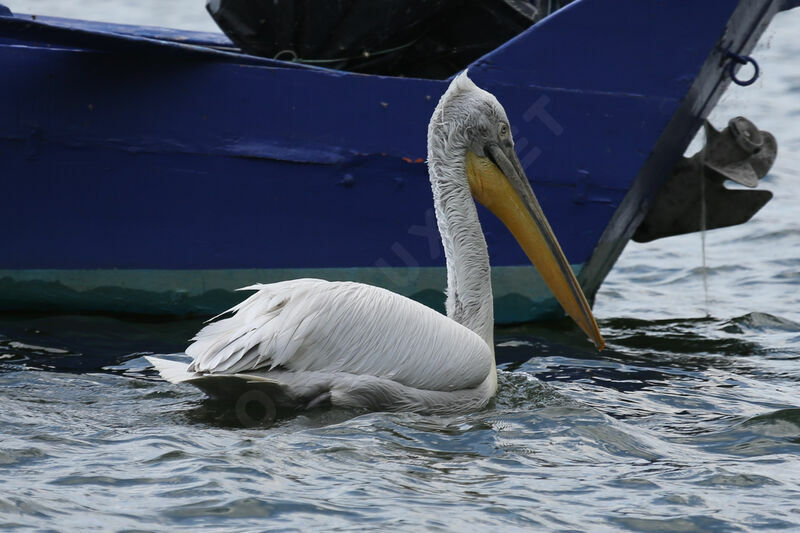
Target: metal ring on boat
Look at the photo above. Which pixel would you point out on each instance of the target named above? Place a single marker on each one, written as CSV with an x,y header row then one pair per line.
x,y
736,59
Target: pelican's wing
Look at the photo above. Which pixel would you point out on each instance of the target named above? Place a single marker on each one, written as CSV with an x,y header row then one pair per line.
x,y
320,326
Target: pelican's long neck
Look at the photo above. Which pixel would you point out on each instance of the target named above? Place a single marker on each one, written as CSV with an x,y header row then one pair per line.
x,y
469,288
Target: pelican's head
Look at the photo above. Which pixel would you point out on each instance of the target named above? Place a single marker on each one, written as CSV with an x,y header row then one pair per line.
x,y
470,124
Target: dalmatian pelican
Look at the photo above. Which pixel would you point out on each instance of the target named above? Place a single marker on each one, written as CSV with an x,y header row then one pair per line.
x,y
309,342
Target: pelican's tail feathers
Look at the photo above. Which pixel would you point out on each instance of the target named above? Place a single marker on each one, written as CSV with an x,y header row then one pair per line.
x,y
234,388
172,371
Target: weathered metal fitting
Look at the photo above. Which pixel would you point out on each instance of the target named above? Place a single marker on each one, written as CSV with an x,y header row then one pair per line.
x,y
741,152
695,198
736,60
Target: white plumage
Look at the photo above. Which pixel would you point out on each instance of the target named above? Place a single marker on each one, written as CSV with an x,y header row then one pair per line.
x,y
320,326
309,341
362,345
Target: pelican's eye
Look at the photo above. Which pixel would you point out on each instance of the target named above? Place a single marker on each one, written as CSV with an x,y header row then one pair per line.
x,y
503,130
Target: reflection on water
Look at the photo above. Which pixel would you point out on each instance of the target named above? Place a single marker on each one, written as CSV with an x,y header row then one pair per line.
x,y
690,421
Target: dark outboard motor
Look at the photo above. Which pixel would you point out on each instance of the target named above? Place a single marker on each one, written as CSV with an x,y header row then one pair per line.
x,y
416,38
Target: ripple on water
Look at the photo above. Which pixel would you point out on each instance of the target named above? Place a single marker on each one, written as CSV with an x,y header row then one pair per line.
x,y
724,478
17,457
684,524
770,434
760,322
250,507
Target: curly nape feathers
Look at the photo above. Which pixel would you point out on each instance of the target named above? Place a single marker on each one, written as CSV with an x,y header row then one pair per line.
x,y
469,294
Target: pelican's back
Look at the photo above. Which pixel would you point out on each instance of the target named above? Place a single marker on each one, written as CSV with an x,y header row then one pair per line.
x,y
315,326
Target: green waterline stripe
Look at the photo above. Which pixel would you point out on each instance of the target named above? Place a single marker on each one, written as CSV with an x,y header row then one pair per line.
x,y
520,293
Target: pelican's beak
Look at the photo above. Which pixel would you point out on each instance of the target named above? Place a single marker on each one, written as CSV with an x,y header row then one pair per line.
x,y
498,182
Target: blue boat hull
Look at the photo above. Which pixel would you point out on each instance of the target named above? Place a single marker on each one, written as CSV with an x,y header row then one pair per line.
x,y
153,173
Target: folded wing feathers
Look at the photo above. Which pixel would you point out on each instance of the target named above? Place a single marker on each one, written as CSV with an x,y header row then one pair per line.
x,y
242,341
231,344
315,325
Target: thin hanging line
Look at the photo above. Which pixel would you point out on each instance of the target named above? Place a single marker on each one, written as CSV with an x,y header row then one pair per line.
x,y
703,223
